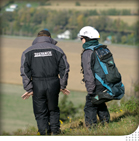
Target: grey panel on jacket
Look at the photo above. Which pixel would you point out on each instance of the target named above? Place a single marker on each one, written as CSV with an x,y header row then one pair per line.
x,y
27,84
88,74
63,80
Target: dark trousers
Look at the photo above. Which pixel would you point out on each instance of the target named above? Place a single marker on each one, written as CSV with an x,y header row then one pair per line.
x,y
92,110
45,104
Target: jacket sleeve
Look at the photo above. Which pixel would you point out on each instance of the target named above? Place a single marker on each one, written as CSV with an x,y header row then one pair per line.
x,y
88,74
26,73
63,71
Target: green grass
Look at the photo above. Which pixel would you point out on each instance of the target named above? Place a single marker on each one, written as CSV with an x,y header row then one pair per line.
x,y
122,124
15,112
17,115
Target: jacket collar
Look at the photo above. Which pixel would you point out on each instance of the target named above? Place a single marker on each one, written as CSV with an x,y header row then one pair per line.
x,y
44,39
90,43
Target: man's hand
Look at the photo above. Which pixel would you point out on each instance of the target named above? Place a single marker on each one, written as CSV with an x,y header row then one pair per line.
x,y
26,95
65,91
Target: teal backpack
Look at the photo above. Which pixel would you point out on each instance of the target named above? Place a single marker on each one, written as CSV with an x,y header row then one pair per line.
x,y
107,74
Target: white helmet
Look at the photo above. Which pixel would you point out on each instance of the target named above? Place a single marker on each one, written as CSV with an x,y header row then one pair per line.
x,y
89,32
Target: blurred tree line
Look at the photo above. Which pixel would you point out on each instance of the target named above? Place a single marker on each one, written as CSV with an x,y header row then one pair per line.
x,y
28,21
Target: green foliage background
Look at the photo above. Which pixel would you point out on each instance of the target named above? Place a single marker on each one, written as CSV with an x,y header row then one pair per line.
x,y
28,21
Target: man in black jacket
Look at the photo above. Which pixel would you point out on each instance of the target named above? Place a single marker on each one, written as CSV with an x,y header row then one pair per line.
x,y
89,37
41,66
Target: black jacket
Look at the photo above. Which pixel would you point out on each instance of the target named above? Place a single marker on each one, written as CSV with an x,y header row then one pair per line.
x,y
43,60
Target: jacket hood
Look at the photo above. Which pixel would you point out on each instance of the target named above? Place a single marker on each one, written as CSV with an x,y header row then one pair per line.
x,y
44,39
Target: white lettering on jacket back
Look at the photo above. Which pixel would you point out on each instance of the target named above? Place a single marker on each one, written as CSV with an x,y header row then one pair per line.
x,y
43,54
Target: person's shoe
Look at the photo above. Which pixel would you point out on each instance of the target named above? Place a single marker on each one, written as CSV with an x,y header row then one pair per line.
x,y
41,133
49,132
57,132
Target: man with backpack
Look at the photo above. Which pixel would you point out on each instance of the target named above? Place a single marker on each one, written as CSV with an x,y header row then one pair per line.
x,y
41,65
101,77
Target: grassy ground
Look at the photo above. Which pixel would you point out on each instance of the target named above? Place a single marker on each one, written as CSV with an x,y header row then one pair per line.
x,y
18,119
120,124
17,113
123,123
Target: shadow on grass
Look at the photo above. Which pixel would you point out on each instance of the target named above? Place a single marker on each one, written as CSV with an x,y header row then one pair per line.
x,y
124,115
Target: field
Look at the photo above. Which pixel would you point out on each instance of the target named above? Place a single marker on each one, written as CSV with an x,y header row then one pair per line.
x,y
126,59
90,4
99,6
18,114
130,20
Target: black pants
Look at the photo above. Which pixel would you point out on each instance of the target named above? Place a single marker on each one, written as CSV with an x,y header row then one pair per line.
x,y
92,110
45,104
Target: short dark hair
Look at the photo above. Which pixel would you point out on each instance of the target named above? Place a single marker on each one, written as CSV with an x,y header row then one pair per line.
x,y
44,33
